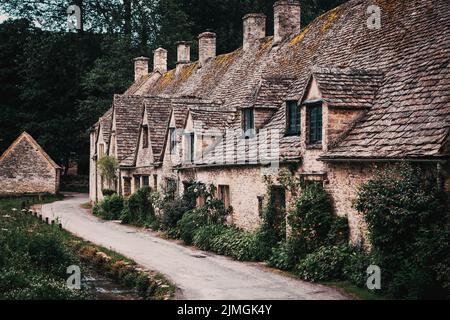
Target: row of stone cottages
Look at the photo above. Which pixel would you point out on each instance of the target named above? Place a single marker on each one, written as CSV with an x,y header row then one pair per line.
x,y
331,102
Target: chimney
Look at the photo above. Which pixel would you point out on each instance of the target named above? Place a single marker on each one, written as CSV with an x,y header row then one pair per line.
x,y
160,60
183,52
206,47
140,67
286,19
254,29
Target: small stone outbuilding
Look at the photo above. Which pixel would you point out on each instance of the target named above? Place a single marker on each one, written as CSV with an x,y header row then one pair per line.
x,y
26,168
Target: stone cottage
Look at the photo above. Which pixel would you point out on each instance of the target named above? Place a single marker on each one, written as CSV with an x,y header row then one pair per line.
x,y
330,102
26,168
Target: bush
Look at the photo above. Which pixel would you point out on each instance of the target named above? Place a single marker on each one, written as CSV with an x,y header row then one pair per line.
x,y
110,208
282,256
408,221
325,264
355,269
173,211
205,235
339,231
189,223
234,243
140,207
108,192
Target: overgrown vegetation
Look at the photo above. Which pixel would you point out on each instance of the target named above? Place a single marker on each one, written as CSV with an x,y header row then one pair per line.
x,y
35,256
108,166
406,214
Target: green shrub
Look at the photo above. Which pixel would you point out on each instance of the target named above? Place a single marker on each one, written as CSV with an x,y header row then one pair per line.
x,y
339,231
140,207
204,235
235,243
173,210
189,223
324,264
282,256
108,192
312,218
355,269
408,221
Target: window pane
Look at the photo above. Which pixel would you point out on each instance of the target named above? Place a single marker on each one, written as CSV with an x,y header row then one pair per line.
x,y
315,123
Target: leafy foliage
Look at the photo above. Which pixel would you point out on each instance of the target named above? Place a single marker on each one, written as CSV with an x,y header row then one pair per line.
x,y
408,220
108,166
325,263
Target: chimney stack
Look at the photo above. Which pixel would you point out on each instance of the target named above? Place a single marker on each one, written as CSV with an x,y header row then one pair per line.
x,y
206,47
183,52
140,67
160,60
254,29
286,19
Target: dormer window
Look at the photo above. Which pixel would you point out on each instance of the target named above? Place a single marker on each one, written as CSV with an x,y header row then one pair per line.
x,y
144,137
173,140
248,122
314,112
292,118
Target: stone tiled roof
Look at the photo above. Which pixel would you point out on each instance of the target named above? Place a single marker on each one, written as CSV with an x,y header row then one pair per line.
x,y
397,73
158,115
207,119
347,88
128,110
106,122
27,137
410,115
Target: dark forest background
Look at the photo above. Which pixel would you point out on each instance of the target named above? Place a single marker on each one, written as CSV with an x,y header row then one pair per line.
x,y
55,84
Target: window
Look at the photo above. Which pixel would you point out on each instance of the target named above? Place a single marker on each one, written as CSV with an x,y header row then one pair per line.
x,y
224,195
260,205
145,137
292,118
173,140
101,150
190,144
155,182
145,181
315,122
248,122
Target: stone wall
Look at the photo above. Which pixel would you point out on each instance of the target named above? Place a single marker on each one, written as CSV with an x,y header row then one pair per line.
x,y
246,184
25,170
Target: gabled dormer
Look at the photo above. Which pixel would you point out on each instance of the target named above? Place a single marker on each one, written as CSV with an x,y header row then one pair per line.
x,y
144,155
333,100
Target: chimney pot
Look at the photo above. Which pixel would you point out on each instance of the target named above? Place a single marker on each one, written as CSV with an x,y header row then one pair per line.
x,y
286,19
160,60
206,47
140,67
254,29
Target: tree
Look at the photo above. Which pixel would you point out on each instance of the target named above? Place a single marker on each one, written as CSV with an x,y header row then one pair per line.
x,y
108,167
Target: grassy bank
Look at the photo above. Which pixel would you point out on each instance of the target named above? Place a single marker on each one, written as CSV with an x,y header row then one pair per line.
x,y
34,258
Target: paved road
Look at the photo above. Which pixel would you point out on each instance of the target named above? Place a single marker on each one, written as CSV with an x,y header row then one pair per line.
x,y
198,274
